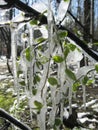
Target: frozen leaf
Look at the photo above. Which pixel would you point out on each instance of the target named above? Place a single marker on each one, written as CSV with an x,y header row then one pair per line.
x,y
53,81
66,52
75,86
66,0
38,104
85,80
33,22
90,82
96,67
28,56
63,34
57,121
22,83
72,47
36,79
70,74
39,65
96,43
58,59
34,91
19,72
41,39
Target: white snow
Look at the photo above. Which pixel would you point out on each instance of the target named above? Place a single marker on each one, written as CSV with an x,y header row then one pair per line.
x,y
40,6
62,9
66,114
81,114
90,103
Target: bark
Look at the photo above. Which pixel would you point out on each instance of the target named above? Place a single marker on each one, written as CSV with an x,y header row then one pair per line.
x,y
81,44
87,8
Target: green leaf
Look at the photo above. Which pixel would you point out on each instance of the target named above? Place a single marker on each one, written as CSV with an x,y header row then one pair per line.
x,y
38,104
34,91
41,39
85,80
72,47
96,43
33,22
63,34
66,0
36,79
57,122
70,74
22,83
28,54
75,86
90,82
66,52
58,59
96,67
53,81
39,65
19,72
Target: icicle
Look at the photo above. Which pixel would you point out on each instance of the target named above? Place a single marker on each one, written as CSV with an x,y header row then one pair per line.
x,y
42,88
14,56
14,53
51,44
50,28
31,60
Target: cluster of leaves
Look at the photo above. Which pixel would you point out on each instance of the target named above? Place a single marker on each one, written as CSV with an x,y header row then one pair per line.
x,y
40,59
6,98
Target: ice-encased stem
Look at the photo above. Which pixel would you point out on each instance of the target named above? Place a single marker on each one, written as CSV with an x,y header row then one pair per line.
x,y
31,61
14,56
84,96
70,99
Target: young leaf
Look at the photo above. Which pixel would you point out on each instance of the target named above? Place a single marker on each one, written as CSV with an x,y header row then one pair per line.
x,y
33,22
96,43
70,74
72,47
28,56
75,86
66,0
34,91
38,104
39,65
58,59
66,52
63,34
57,122
90,82
22,83
53,81
36,79
96,68
19,72
41,39
85,80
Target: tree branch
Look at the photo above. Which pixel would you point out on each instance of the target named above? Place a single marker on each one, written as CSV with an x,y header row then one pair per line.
x,y
11,119
81,44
